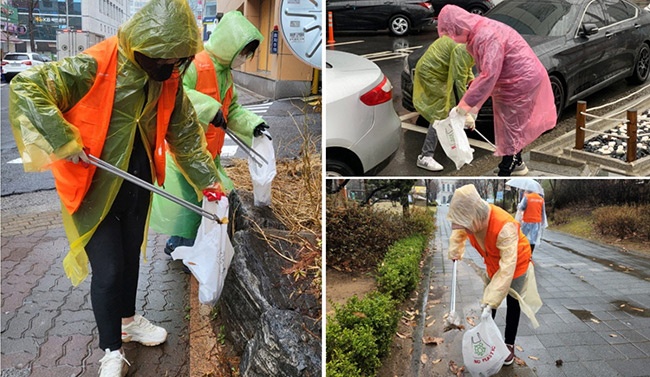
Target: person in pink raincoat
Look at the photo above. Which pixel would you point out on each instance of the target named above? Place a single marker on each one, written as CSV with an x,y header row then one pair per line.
x,y
511,73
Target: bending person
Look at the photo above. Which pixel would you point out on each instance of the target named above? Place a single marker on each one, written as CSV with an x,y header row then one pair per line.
x,y
506,252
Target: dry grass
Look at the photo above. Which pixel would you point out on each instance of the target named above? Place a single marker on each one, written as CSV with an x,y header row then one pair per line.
x,y
296,201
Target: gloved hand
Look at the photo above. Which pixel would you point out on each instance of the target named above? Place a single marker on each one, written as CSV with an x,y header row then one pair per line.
x,y
470,119
79,157
261,129
219,120
486,311
213,192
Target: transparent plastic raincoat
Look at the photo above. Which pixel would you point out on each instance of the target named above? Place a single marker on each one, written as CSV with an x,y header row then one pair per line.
x,y
468,210
230,36
445,68
510,72
161,29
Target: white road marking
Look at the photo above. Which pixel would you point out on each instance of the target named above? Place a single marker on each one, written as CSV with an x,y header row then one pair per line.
x,y
345,43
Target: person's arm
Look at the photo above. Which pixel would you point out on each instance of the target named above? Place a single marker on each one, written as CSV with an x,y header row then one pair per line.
x,y
489,55
241,120
523,204
457,244
497,289
37,100
186,140
206,107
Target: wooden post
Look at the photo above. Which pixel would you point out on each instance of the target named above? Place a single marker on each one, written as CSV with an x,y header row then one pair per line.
x,y
581,121
631,134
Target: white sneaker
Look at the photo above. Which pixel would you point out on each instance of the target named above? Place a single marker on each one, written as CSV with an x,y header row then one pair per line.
x,y
427,162
143,332
520,170
113,364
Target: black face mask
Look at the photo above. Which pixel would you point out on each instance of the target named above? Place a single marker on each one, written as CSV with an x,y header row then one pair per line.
x,y
155,70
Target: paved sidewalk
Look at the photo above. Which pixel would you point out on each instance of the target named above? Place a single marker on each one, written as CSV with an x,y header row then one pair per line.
x,y
595,318
48,328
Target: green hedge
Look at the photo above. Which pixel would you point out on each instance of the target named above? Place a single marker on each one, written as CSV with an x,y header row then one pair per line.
x,y
399,273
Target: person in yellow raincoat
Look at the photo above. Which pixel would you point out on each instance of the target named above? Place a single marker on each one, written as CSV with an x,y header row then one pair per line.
x,y
209,85
440,81
495,234
120,100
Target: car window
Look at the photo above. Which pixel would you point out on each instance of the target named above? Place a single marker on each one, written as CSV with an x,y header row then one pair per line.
x,y
37,57
538,18
16,57
619,10
595,15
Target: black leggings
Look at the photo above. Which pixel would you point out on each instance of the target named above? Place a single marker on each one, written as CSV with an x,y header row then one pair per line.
x,y
513,311
114,254
508,164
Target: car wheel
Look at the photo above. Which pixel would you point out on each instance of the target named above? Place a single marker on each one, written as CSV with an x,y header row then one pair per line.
x,y
336,168
9,76
642,66
422,122
477,10
399,25
558,94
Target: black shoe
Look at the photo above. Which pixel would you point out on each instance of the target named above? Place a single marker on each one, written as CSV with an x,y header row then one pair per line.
x,y
168,250
511,358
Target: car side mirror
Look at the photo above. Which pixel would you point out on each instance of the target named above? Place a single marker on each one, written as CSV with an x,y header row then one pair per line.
x,y
587,30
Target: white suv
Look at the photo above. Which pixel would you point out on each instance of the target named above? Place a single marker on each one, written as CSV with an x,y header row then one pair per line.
x,y
15,62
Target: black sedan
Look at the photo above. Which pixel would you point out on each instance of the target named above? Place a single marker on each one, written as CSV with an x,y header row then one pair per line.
x,y
585,46
472,6
398,16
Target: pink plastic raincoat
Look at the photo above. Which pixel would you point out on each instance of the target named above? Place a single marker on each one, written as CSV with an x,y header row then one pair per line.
x,y
510,72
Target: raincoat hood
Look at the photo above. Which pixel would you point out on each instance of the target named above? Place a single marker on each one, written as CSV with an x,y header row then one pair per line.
x,y
162,29
456,22
468,210
230,36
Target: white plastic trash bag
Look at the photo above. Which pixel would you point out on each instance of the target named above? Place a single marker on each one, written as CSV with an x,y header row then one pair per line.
x,y
210,257
262,176
483,348
453,139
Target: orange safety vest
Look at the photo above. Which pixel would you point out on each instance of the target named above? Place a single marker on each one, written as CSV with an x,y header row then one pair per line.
x,y
534,208
206,83
92,116
492,256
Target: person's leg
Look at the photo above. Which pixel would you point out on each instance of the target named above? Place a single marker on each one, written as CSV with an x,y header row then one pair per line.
x,y
532,248
513,313
506,165
104,254
425,159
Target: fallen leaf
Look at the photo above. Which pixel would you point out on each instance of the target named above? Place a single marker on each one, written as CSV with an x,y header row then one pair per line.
x,y
594,320
559,362
359,315
637,309
432,340
445,316
518,347
191,263
533,358
613,335
431,323
424,358
436,361
461,372
428,318
470,320
453,367
622,306
520,362
434,302
401,335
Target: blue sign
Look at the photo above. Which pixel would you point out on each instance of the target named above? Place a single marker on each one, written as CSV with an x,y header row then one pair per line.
x,y
274,41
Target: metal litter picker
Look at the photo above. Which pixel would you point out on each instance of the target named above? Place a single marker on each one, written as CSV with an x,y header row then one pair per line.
x,y
453,320
137,181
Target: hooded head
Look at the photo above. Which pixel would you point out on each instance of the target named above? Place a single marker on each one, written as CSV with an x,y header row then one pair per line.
x,y
456,22
231,35
162,35
468,210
